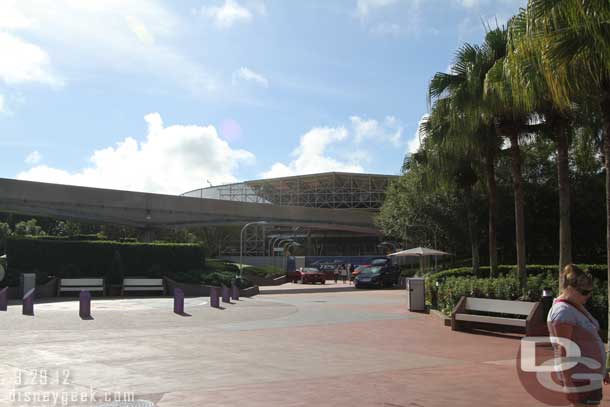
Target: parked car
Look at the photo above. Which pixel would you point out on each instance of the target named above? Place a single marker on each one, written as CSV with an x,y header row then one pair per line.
x,y
376,277
294,276
312,275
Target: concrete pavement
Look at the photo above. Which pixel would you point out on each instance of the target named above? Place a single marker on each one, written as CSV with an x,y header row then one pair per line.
x,y
358,348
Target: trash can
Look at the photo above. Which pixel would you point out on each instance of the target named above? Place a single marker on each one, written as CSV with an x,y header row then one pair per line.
x,y
28,281
416,294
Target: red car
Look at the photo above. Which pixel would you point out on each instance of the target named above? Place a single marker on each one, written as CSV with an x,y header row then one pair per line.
x,y
312,275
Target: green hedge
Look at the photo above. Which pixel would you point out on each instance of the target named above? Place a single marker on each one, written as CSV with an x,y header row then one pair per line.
x,y
452,287
109,259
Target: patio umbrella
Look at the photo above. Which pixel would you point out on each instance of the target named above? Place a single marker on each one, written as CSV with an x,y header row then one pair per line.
x,y
420,252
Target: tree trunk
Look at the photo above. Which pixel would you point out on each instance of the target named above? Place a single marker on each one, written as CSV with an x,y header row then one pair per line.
x,y
517,176
472,232
605,108
490,168
563,179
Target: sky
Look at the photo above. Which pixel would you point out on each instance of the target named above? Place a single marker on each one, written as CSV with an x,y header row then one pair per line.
x,y
169,96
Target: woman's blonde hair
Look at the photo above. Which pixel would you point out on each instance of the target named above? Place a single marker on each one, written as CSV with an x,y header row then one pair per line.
x,y
573,276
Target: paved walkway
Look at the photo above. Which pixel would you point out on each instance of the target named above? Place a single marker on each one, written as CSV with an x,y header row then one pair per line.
x,y
294,288
354,349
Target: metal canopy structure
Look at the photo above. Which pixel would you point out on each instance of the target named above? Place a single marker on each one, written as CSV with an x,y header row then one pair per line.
x,y
145,210
333,190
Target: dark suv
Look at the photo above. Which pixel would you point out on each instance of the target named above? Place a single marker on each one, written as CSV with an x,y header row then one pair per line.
x,y
380,273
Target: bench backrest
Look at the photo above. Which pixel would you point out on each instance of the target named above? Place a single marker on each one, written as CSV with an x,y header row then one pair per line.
x,y
142,282
499,306
81,282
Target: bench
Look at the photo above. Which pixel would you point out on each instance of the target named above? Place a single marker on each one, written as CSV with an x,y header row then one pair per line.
x,y
142,284
498,313
80,284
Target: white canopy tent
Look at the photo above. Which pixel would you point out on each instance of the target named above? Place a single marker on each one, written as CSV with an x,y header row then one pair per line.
x,y
420,252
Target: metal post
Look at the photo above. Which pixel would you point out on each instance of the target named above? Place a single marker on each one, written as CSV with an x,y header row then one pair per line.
x,y
4,299
84,304
178,301
241,243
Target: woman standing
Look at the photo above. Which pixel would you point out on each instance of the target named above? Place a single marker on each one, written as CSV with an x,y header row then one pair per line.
x,y
569,319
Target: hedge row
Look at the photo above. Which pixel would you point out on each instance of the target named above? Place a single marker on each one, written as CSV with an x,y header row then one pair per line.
x,y
598,271
112,260
452,286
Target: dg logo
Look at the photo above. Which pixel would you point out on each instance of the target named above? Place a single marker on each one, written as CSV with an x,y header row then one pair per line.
x,y
561,371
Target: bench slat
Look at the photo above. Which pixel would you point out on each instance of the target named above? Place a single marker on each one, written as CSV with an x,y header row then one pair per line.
x,y
81,281
92,288
499,306
143,282
147,288
491,320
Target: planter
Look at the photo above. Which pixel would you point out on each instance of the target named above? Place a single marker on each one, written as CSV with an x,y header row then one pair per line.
x,y
190,290
250,291
263,281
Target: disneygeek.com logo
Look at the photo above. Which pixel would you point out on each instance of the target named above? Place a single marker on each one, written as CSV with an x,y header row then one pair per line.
x,y
559,371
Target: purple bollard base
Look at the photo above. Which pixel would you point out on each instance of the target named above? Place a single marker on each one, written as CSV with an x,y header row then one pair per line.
x,y
28,303
214,297
235,292
178,301
4,299
84,308
226,296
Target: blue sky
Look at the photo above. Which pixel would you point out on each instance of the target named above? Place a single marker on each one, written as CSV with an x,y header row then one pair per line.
x,y
168,96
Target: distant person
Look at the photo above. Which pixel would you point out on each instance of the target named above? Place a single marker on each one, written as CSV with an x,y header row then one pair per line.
x,y
336,274
351,269
569,319
343,272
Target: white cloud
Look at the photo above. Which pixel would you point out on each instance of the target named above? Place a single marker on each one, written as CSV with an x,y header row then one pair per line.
x,y
24,62
311,156
418,137
171,159
385,28
364,7
129,36
247,74
231,13
388,131
2,104
33,158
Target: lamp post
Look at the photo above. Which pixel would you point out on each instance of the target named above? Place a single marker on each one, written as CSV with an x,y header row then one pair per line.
x,y
241,243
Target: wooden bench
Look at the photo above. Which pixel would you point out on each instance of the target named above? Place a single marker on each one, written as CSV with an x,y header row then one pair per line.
x,y
142,284
80,284
498,313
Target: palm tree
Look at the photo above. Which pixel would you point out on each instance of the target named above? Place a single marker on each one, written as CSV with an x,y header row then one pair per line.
x,y
453,164
512,122
524,65
576,39
462,92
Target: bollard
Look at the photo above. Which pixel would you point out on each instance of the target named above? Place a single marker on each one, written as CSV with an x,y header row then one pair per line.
x,y
226,294
235,292
28,302
84,306
214,300
178,301
4,299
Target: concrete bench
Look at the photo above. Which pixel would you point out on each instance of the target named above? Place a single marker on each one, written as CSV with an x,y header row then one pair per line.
x,y
522,316
80,284
142,284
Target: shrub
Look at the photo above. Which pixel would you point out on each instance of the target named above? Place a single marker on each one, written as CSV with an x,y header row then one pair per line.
x,y
452,288
109,259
